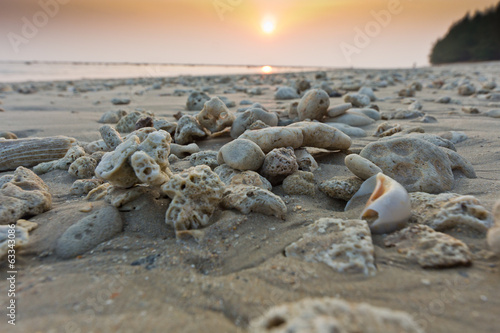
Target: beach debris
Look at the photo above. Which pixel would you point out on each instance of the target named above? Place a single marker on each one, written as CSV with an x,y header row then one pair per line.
x,y
84,186
299,183
340,187
416,164
32,151
338,110
368,92
241,154
115,167
466,89
215,116
251,116
305,160
313,105
196,100
182,151
449,210
275,137
319,135
126,124
230,176
134,161
357,100
112,116
120,101
206,157
284,93
470,110
321,315
63,163
90,231
454,136
95,146
361,167
110,136
352,119
195,193
188,130
278,164
248,198
429,248
493,236
22,194
8,135
388,208
83,167
344,245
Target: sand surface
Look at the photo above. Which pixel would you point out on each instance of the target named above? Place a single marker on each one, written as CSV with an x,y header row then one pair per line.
x,y
239,270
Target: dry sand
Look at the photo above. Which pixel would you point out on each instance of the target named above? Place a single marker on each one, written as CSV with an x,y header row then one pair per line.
x,y
239,270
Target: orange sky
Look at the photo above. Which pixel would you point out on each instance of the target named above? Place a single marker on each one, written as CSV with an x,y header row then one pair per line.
x,y
308,32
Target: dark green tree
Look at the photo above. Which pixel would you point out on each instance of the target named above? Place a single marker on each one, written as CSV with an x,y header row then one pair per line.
x,y
473,38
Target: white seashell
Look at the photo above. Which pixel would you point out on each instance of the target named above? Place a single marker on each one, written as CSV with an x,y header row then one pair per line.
x,y
388,207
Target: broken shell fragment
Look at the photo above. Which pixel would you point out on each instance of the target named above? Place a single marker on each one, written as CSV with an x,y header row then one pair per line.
x,y
388,207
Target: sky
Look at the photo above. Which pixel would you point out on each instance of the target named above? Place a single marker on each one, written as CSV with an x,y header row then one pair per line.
x,y
332,33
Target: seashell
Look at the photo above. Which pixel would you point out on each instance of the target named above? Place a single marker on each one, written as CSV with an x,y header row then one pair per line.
x,y
388,207
32,151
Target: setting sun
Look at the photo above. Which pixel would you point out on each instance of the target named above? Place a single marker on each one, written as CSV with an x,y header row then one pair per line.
x,y
268,25
266,69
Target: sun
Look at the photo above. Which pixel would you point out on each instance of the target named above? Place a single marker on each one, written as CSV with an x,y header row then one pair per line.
x,y
266,69
268,25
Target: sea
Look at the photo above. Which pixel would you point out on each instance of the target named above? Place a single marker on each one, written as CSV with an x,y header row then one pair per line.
x,y
11,72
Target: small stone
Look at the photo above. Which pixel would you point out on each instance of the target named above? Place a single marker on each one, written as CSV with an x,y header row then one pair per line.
x,y
338,110
278,164
429,248
120,101
284,93
299,183
313,105
8,135
344,245
470,110
241,154
494,113
89,232
466,89
332,315
444,100
342,188
361,167
196,100
357,100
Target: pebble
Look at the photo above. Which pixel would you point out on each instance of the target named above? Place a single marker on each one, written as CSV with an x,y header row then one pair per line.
x,y
361,167
494,113
241,154
338,110
284,93
120,101
89,232
313,105
357,100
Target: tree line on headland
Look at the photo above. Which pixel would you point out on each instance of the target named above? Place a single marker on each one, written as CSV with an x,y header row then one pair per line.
x,y
473,38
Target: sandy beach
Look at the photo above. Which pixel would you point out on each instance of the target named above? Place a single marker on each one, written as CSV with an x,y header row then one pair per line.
x,y
145,279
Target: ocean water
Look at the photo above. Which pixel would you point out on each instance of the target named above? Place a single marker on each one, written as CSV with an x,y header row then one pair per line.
x,y
22,71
